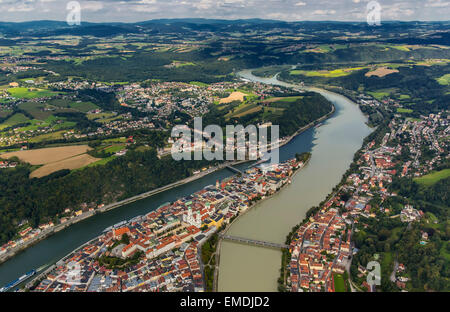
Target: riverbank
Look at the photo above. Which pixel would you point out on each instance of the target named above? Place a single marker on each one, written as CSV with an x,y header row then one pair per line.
x,y
161,189
49,232
224,231
189,179
332,145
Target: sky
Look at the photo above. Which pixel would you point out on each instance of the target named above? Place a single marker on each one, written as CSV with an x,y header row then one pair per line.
x,y
289,10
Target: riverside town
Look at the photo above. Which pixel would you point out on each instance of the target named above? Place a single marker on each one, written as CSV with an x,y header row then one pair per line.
x,y
224,154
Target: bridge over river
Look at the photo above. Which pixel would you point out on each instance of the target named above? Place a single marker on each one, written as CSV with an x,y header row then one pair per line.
x,y
254,242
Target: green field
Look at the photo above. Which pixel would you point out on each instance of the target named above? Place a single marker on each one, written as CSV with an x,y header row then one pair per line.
x,y
433,177
197,83
114,148
36,109
60,102
326,73
15,119
404,110
444,80
115,140
379,95
48,137
100,116
29,93
83,106
339,283
103,161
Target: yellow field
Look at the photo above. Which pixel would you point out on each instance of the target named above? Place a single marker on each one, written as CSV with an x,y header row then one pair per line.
x,y
381,72
235,96
250,111
69,163
44,156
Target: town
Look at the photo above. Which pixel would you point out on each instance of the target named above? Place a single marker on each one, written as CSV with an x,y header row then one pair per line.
x,y
322,247
160,251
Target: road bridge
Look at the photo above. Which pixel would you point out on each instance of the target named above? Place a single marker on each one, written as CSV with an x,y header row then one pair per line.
x,y
254,242
234,169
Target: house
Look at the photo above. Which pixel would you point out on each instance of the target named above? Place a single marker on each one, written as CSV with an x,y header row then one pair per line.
x,y
117,233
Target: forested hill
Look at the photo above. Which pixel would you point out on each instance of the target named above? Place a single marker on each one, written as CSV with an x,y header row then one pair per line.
x,y
40,200
290,113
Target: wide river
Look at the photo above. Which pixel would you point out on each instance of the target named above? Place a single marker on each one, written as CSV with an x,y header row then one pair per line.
x,y
242,268
248,268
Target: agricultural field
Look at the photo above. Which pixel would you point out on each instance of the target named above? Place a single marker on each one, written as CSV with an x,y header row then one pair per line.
x,y
48,137
71,163
379,95
326,73
29,93
15,119
235,96
198,83
324,48
381,72
53,159
44,156
269,107
404,110
83,106
114,148
178,64
444,80
433,177
102,162
245,110
100,116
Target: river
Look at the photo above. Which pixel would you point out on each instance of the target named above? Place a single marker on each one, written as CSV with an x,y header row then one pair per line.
x,y
248,268
242,267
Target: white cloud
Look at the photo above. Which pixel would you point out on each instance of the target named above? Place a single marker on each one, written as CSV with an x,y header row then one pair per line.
x,y
437,3
324,12
20,8
92,6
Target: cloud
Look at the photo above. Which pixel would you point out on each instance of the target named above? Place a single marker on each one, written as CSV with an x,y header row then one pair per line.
x,y
292,10
437,3
93,6
324,12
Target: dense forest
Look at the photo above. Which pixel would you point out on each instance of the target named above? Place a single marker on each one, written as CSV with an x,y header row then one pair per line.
x,y
426,264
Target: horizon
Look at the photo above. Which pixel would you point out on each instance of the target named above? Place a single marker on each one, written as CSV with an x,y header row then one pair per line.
x,y
225,20
135,11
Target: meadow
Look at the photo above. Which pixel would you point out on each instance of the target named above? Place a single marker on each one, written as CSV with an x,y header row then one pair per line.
x,y
15,119
444,80
433,177
404,110
341,72
29,93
